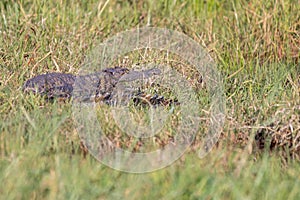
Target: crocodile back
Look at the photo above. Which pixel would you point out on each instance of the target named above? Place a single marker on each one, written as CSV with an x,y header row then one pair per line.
x,y
52,85
61,85
97,86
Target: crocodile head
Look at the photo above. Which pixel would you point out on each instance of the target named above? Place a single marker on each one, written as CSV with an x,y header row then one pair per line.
x,y
116,72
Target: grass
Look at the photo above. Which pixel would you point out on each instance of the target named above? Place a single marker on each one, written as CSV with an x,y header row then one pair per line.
x,y
256,46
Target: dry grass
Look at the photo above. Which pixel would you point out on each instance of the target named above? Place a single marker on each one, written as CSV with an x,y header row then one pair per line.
x,y
256,47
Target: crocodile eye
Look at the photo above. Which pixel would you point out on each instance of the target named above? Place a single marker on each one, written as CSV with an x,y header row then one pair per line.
x,y
111,71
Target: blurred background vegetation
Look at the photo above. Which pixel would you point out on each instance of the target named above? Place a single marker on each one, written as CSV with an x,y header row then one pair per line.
x,y
256,47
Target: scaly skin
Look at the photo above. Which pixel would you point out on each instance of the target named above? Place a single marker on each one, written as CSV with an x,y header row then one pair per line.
x,y
97,86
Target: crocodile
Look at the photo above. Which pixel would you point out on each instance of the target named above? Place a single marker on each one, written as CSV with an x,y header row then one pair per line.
x,y
97,86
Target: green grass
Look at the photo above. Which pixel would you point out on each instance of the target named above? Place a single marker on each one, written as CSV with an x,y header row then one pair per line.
x,y
256,47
